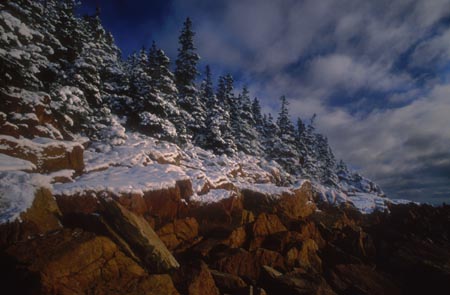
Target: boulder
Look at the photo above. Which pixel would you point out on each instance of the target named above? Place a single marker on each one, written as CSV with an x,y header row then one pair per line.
x,y
227,283
265,225
167,204
194,278
181,231
46,154
248,264
43,216
136,231
85,203
360,279
297,205
295,283
221,217
306,256
76,262
237,238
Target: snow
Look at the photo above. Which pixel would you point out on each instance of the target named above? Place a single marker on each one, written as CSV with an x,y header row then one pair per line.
x,y
368,203
213,196
37,144
268,189
17,192
124,180
8,163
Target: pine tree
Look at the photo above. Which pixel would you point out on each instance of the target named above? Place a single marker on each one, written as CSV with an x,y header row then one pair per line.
x,y
284,122
207,95
244,131
257,116
219,135
186,63
286,152
326,162
162,82
185,75
308,138
299,142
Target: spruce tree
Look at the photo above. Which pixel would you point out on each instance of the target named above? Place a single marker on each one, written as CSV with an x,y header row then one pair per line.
x,y
243,124
162,81
257,116
185,75
219,135
186,63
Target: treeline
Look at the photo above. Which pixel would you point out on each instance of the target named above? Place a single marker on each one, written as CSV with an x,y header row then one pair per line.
x,y
77,63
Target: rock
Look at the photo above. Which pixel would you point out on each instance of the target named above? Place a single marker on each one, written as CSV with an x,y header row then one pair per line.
x,y
48,155
227,283
220,217
361,279
76,262
86,203
282,241
140,236
296,206
286,203
295,283
305,257
42,217
237,238
309,230
248,264
247,217
166,205
180,231
157,285
265,225
194,278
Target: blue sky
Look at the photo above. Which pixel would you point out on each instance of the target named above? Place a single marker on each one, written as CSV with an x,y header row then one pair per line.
x,y
377,73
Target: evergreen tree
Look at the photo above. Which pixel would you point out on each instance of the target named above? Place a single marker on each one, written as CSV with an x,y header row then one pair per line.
x,y
219,135
162,82
300,144
284,122
186,63
185,75
243,125
308,139
257,116
326,162
286,152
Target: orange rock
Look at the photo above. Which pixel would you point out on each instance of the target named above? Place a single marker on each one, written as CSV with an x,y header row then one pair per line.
x,y
296,206
141,238
194,278
43,216
71,262
178,232
86,203
224,215
265,225
51,157
248,264
237,238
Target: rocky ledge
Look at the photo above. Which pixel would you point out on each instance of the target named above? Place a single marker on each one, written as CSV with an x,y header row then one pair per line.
x,y
283,244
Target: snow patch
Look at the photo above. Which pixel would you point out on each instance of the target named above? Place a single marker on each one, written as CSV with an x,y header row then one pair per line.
x,y
8,163
124,180
17,192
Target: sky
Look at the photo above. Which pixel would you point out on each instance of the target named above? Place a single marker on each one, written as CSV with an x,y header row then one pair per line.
x,y
376,73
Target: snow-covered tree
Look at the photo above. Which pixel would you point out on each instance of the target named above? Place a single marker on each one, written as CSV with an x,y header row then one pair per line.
x,y
243,124
185,75
219,134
